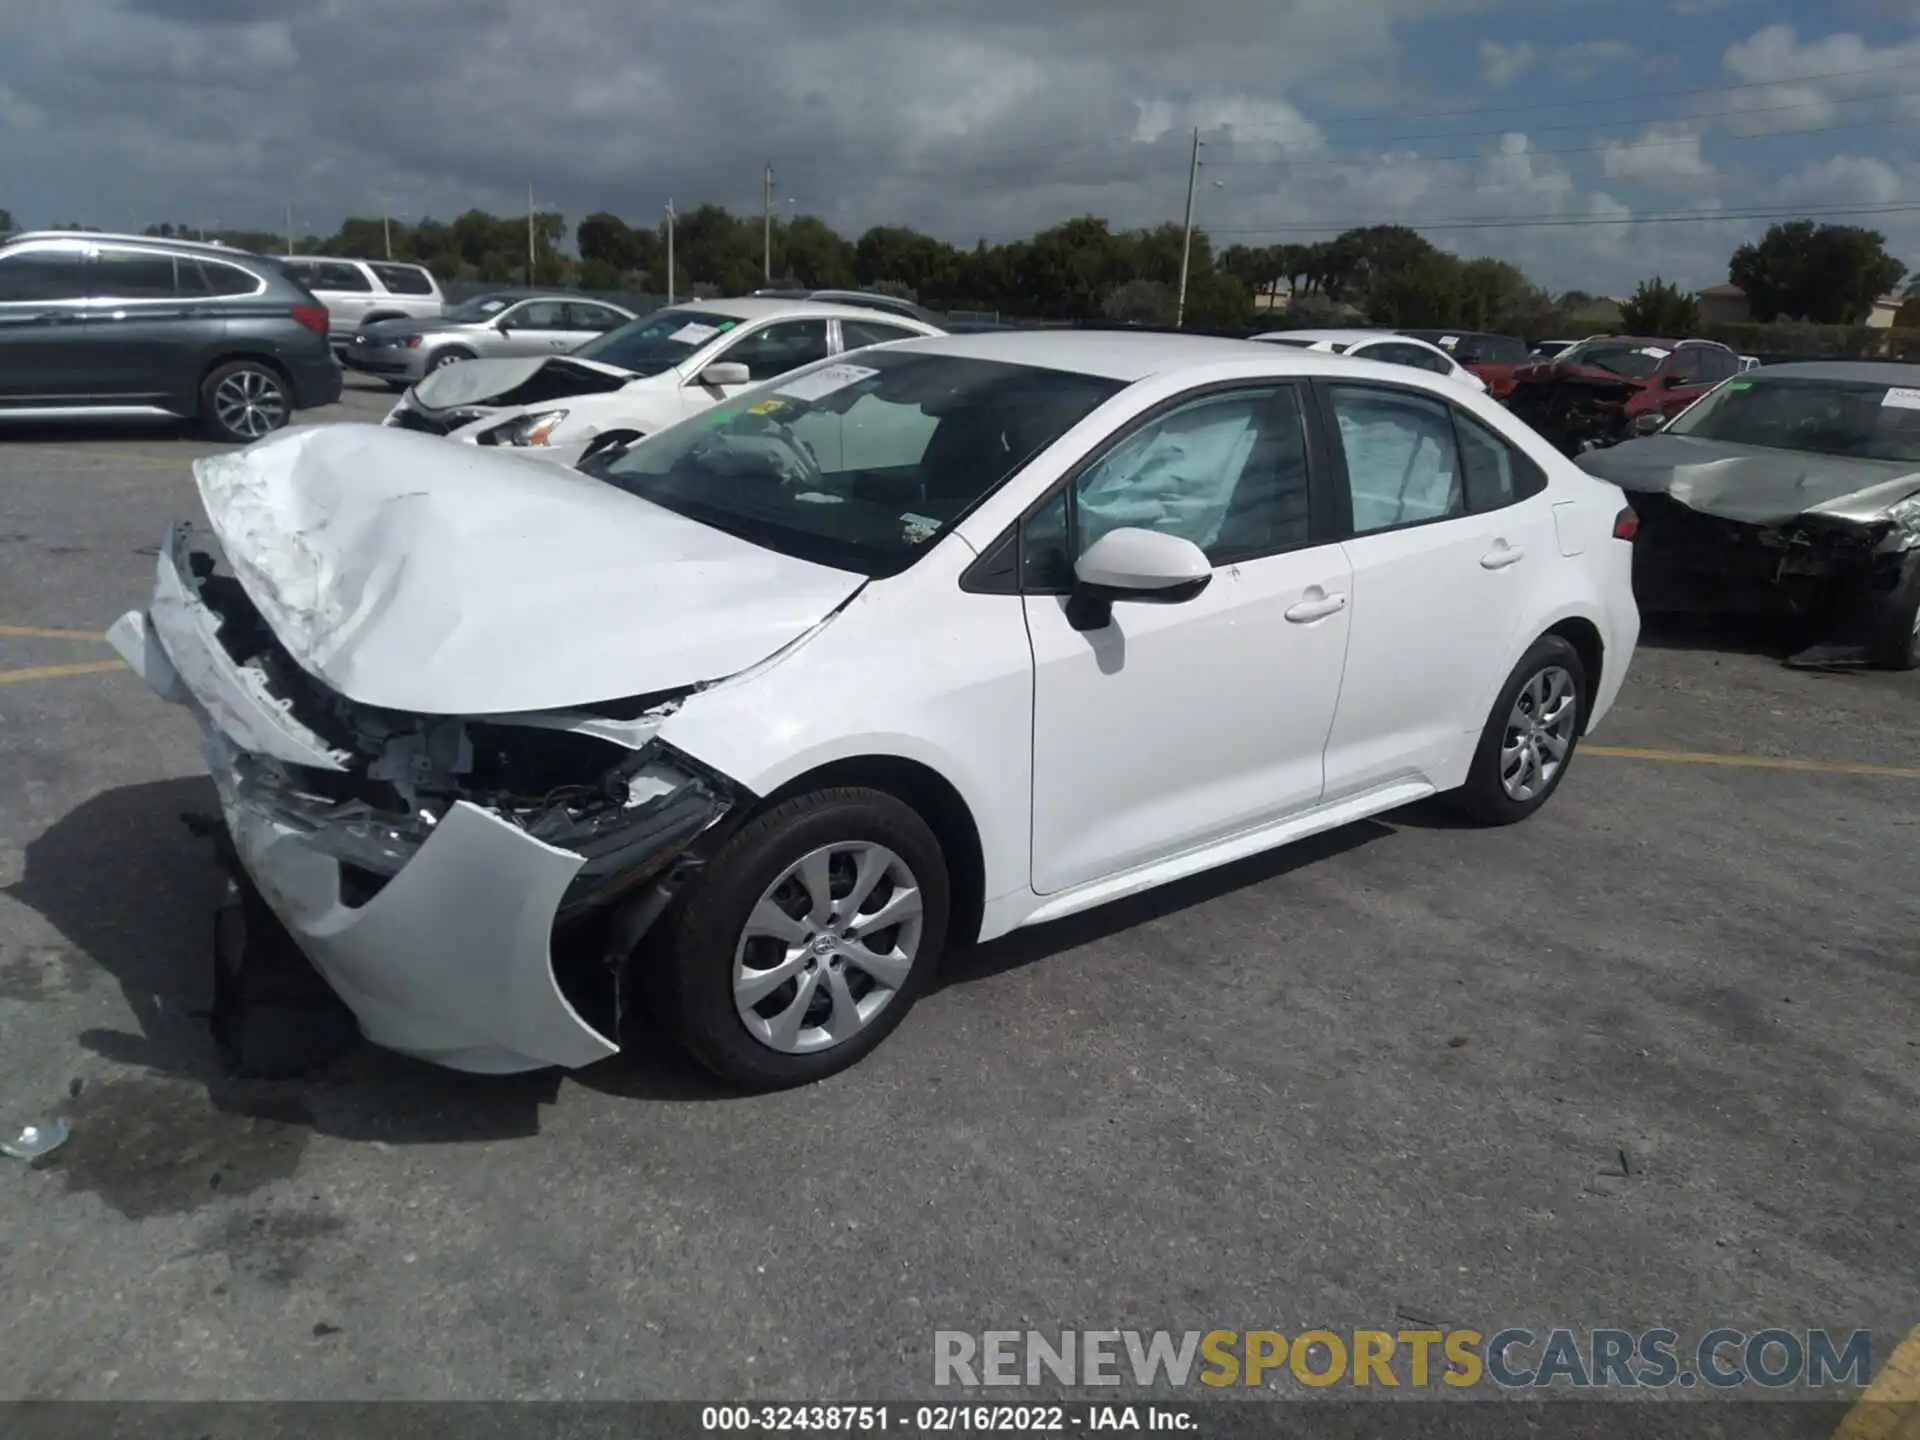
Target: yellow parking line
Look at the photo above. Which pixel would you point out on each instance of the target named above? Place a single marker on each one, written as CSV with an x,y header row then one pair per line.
x,y
1890,1410
56,672
1753,762
35,632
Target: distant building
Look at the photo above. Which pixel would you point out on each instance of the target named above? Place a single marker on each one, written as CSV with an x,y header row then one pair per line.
x,y
1723,305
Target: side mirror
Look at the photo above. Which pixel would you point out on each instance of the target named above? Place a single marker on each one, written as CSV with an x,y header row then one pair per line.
x,y
1134,564
725,372
503,325
1649,423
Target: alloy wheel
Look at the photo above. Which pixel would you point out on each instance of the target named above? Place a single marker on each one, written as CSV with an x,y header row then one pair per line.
x,y
828,945
250,403
1539,733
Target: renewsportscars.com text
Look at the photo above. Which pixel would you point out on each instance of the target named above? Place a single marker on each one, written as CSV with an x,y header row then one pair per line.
x,y
1509,1359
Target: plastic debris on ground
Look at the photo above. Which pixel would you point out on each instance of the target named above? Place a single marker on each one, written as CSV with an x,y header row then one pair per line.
x,y
36,1141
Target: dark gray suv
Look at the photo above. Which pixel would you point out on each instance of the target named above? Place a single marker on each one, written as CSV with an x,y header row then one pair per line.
x,y
123,326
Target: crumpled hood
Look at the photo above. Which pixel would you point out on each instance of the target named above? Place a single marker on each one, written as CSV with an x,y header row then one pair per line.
x,y
410,574
1751,484
479,382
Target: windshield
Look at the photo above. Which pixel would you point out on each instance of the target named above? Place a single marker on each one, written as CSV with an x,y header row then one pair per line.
x,y
480,307
1633,359
1861,420
861,467
659,342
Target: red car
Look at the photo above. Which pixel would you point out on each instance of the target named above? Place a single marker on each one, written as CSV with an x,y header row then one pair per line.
x,y
1613,387
1494,358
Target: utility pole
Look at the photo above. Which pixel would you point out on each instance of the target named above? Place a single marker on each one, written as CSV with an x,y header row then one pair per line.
x,y
386,229
290,227
1186,244
670,219
766,259
529,233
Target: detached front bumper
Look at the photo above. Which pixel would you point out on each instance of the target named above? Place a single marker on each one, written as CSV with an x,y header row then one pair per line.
x,y
437,933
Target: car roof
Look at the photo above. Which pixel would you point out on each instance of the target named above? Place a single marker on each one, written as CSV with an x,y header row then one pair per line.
x,y
1333,337
155,242
1871,372
1124,355
353,260
766,307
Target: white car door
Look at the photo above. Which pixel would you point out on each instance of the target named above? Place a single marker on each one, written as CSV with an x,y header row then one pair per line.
x,y
1167,726
536,327
1443,574
767,352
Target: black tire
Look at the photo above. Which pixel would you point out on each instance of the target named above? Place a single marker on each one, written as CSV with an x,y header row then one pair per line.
x,y
452,355
243,400
399,387
1484,797
697,966
1893,639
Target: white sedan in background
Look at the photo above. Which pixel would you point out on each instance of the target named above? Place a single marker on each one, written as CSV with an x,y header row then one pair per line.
x,y
1387,348
758,716
641,378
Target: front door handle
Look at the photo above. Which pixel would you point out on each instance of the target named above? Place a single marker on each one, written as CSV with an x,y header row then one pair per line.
x,y
1501,556
1317,605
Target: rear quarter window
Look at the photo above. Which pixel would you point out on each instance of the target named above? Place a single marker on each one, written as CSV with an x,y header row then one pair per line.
x,y
404,279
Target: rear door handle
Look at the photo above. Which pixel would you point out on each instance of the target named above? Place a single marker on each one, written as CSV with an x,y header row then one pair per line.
x,y
1501,556
1315,607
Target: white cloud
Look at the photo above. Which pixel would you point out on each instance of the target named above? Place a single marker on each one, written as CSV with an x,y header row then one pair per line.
x,y
1587,58
1501,65
1665,158
1806,86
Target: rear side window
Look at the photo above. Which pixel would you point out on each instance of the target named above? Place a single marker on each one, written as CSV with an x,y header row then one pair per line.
x,y
1403,462
132,275
404,279
216,277
1496,474
29,275
333,275
856,333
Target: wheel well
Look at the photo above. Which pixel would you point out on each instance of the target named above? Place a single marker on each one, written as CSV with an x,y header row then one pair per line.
x,y
935,800
258,359
1584,636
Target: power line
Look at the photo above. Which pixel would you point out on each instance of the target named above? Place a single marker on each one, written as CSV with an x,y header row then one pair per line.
x,y
1683,217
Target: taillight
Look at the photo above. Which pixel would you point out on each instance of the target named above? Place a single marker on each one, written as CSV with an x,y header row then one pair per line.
x,y
412,342
1626,524
314,317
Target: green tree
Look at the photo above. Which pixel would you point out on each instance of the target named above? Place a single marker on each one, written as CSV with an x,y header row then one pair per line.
x,y
1824,274
1658,308
1417,290
817,257
1140,302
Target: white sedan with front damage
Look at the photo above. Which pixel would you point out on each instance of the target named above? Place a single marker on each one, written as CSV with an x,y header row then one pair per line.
x,y
760,715
641,378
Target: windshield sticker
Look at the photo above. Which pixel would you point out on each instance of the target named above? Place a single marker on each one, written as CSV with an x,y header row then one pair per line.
x,y
766,407
822,383
1740,384
1902,399
694,334
1655,351
726,325
918,529
487,307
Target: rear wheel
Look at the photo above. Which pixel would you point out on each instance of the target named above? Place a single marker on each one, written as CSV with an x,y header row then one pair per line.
x,y
809,938
1530,737
243,400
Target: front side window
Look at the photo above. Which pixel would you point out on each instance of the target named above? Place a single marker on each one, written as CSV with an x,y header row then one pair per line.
x,y
949,431
133,275
37,275
1862,420
656,343
780,347
1403,466
538,315
1228,472
1686,368
1717,364
404,279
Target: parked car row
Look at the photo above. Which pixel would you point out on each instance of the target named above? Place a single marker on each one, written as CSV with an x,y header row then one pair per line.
x,y
837,646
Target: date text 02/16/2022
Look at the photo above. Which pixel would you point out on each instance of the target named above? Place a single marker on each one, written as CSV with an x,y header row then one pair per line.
x,y
943,1419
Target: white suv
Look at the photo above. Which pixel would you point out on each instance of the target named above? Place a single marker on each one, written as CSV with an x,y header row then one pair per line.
x,y
359,292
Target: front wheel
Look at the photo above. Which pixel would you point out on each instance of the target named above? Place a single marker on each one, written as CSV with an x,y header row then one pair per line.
x,y
444,358
808,939
1530,737
242,401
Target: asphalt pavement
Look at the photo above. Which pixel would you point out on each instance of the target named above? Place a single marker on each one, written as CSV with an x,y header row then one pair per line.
x,y
1650,1058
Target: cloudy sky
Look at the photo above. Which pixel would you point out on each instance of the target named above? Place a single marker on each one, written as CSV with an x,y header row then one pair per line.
x,y
973,118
